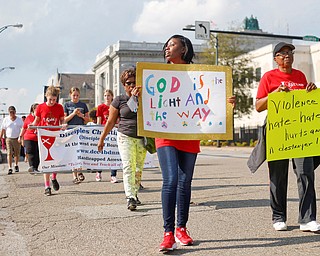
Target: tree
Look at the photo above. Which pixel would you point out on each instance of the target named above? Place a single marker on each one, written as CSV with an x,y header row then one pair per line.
x,y
230,53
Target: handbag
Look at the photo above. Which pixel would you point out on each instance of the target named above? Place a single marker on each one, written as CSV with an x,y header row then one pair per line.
x,y
258,154
150,145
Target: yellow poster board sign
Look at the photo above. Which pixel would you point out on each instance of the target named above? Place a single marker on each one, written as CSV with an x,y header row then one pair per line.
x,y
293,127
185,101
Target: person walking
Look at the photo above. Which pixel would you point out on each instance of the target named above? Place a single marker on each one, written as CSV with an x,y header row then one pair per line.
x,y
102,117
286,78
30,140
23,148
50,113
76,113
177,160
11,127
131,146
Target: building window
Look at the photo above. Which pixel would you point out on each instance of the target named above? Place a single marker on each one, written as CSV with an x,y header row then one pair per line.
x,y
258,74
102,81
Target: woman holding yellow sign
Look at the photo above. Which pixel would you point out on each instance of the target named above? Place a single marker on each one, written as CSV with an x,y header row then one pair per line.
x,y
285,78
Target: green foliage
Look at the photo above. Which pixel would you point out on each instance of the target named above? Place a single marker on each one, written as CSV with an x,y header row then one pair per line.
x,y
244,144
225,143
253,143
206,142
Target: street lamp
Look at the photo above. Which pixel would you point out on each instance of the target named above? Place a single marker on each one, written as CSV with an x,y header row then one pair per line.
x,y
7,26
1,69
3,104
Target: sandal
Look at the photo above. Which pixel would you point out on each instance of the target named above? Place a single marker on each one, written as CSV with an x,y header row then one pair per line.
x,y
81,176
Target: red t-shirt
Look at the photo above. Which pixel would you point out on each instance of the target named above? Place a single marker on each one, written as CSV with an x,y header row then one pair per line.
x,y
30,134
103,112
190,146
272,79
49,116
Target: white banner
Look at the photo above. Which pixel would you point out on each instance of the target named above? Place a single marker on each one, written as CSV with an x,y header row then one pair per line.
x,y
77,149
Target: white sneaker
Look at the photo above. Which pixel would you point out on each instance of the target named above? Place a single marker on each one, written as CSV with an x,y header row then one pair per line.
x,y
113,179
310,226
98,176
280,226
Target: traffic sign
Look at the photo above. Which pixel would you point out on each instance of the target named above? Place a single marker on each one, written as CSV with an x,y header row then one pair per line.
x,y
202,30
311,38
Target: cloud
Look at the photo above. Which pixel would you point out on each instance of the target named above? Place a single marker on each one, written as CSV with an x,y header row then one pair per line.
x,y
160,19
68,34
164,18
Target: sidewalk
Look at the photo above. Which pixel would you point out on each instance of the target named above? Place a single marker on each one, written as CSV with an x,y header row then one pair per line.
x,y
229,215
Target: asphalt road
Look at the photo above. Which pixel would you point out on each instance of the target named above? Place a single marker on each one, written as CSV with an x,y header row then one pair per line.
x,y
230,213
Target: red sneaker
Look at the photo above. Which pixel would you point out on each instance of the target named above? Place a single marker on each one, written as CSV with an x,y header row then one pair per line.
x,y
169,243
183,237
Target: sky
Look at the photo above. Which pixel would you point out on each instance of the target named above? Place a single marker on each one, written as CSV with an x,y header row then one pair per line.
x,y
67,35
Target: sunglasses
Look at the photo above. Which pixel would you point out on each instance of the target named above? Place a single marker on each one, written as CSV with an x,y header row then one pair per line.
x,y
132,84
283,53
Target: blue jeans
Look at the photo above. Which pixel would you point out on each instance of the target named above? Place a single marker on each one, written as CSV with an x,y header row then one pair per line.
x,y
177,170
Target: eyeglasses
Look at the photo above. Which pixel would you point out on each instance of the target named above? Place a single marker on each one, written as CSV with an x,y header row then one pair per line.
x,y
283,53
132,84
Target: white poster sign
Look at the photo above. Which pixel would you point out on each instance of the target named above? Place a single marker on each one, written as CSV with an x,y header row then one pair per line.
x,y
184,101
77,149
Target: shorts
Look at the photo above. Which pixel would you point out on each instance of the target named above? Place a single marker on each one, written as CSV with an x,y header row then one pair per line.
x,y
13,146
